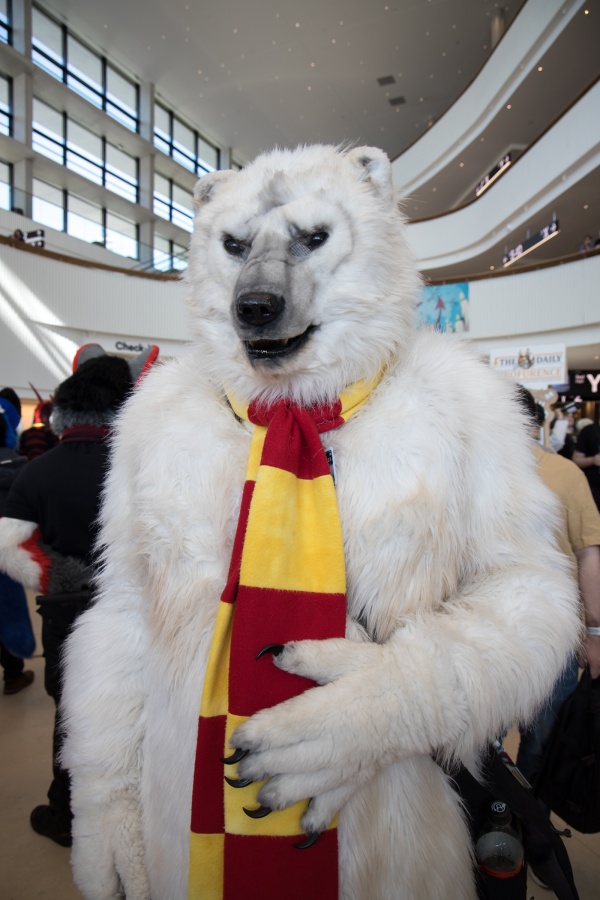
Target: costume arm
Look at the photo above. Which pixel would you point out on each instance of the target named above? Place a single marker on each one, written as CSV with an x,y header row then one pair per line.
x,y
21,556
27,559
103,701
449,679
588,562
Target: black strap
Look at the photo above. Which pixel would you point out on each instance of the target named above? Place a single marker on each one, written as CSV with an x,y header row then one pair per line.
x,y
544,848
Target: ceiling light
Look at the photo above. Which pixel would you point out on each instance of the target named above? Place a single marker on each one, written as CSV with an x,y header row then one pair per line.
x,y
540,68
462,165
491,268
585,206
509,106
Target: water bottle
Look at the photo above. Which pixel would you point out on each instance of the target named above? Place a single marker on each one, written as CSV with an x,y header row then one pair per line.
x,y
499,847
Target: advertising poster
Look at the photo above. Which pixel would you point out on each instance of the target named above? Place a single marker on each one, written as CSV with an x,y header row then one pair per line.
x,y
534,367
444,307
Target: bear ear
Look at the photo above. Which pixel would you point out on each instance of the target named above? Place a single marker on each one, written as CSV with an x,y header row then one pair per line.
x,y
373,166
206,185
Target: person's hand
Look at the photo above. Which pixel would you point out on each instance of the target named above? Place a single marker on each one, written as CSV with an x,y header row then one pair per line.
x,y
590,654
596,459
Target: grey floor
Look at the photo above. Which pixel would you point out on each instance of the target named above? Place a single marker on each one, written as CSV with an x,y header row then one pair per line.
x,y
34,867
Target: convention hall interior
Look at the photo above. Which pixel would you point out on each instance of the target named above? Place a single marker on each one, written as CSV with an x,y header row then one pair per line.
x,y
109,114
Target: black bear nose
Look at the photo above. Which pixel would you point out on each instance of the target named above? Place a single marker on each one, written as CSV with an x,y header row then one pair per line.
x,y
258,308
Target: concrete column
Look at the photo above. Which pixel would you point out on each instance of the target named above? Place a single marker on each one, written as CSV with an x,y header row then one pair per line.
x,y
147,112
21,22
225,158
23,187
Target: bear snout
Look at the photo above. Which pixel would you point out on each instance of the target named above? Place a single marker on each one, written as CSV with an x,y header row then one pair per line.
x,y
257,309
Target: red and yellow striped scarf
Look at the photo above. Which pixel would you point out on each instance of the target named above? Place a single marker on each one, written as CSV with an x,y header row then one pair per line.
x,y
286,582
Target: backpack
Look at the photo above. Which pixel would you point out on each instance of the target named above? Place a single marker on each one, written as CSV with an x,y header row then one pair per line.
x,y
544,848
569,777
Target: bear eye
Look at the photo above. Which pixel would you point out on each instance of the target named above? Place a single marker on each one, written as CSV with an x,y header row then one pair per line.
x,y
316,240
233,247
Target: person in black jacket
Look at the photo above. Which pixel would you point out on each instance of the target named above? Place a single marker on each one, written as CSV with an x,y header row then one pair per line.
x,y
16,633
48,533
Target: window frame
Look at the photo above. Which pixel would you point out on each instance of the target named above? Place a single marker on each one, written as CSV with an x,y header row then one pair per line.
x,y
196,164
107,175
9,114
6,28
176,211
64,73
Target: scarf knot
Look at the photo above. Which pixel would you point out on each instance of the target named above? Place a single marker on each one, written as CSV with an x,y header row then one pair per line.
x,y
325,416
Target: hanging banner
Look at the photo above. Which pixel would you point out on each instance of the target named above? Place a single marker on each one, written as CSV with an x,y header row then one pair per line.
x,y
444,307
534,367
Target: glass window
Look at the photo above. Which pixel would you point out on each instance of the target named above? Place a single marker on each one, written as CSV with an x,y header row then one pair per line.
x,y
208,156
173,202
183,214
121,235
63,55
47,43
85,220
180,255
168,255
84,71
121,173
5,105
162,196
84,152
121,98
162,122
48,205
48,131
181,142
5,23
5,185
161,258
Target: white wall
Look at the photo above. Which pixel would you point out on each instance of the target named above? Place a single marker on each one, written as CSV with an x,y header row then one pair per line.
x,y
49,308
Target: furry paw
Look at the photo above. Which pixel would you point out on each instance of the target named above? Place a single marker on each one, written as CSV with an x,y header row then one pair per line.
x,y
326,661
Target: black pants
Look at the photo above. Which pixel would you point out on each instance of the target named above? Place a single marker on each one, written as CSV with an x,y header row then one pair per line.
x,y
58,612
11,665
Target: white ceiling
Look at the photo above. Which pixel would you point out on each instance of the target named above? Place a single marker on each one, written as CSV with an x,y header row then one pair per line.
x,y
255,73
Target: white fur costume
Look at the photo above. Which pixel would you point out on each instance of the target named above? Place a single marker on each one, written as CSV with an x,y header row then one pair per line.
x,y
467,613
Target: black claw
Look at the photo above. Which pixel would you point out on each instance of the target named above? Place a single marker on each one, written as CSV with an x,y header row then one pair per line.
x,y
311,839
235,757
238,782
275,649
259,813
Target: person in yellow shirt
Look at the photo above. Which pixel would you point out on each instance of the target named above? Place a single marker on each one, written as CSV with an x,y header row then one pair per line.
x,y
578,535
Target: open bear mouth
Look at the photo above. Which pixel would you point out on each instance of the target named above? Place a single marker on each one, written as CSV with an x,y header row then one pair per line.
x,y
274,349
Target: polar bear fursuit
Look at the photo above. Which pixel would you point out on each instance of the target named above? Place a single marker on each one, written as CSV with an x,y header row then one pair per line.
x,y
460,612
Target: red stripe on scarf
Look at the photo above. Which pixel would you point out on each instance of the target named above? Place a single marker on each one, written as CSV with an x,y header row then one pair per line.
x,y
208,813
266,616
231,588
288,875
